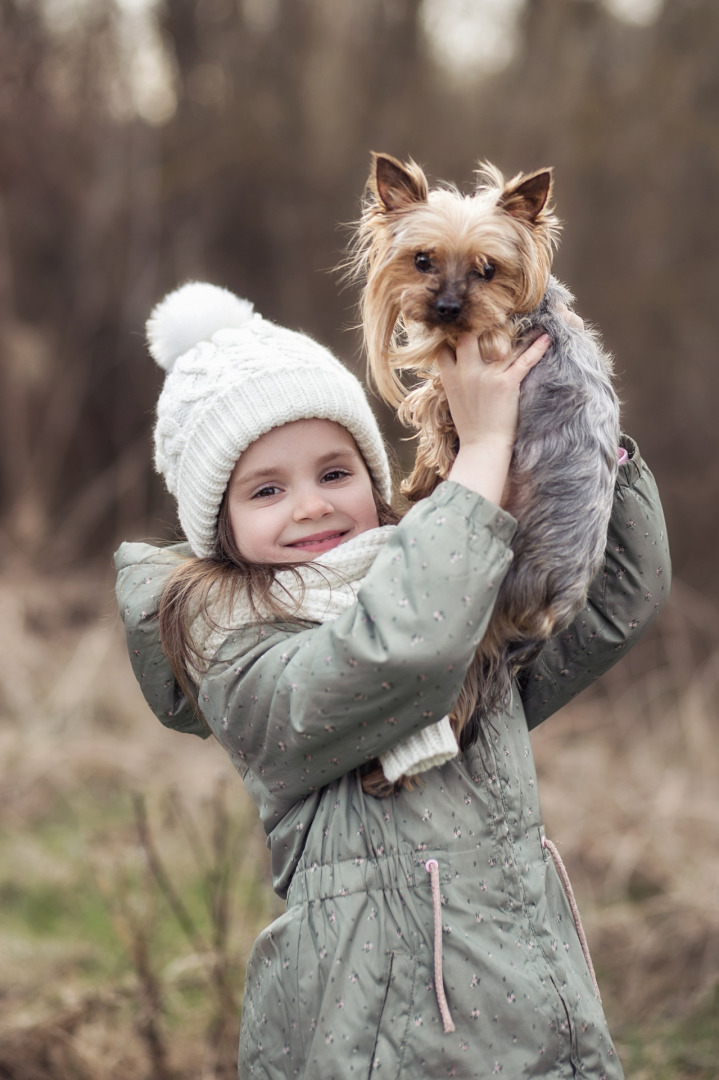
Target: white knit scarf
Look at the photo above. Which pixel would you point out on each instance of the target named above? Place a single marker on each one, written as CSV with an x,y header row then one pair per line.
x,y
330,586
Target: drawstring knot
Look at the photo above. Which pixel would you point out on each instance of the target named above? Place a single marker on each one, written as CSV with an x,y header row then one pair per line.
x,y
569,893
432,868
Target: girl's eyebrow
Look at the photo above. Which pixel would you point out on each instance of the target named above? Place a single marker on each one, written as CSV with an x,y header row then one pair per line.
x,y
343,453
268,473
271,472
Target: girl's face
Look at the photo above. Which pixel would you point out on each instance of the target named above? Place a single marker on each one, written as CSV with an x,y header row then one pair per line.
x,y
298,491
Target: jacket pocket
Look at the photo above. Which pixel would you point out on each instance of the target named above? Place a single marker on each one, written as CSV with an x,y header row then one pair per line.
x,y
393,1019
271,1028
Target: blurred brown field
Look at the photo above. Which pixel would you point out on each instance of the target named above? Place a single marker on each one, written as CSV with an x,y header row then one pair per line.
x,y
146,143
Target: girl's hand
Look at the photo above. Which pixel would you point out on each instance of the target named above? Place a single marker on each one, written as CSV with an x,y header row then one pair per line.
x,y
484,401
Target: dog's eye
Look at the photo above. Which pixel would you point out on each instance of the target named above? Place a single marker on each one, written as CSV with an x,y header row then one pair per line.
x,y
423,262
485,272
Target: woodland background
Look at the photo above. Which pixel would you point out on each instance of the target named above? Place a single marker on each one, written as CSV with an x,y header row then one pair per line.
x,y
143,144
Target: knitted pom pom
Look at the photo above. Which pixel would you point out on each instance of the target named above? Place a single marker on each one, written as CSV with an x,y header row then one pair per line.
x,y
192,313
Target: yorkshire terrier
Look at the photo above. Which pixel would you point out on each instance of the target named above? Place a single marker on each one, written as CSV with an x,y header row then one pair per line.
x,y
435,264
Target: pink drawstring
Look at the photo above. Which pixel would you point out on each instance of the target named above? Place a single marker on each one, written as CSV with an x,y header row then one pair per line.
x,y
569,893
432,868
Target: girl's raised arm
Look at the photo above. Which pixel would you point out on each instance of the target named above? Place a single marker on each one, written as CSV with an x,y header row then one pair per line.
x,y
625,597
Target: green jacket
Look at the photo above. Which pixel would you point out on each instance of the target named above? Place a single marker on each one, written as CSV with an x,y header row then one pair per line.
x,y
342,984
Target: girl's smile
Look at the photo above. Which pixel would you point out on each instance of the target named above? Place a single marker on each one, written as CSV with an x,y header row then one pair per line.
x,y
320,542
299,491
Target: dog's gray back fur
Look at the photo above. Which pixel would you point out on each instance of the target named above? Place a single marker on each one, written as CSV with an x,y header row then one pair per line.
x,y
563,474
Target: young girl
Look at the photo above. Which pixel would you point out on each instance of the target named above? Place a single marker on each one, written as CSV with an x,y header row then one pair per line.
x,y
427,930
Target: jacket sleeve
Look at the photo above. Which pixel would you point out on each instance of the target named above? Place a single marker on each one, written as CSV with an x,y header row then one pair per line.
x,y
142,573
298,711
624,599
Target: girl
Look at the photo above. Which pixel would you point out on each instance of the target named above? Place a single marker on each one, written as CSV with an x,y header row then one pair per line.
x,y
427,930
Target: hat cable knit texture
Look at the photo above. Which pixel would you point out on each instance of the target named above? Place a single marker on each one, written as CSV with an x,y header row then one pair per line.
x,y
231,377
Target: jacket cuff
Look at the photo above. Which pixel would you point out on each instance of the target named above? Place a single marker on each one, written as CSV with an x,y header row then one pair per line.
x,y
631,470
434,745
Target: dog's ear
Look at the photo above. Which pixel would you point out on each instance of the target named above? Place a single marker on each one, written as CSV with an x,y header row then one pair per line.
x,y
526,196
397,186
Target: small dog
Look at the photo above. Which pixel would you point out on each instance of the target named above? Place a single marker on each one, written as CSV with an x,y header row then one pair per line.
x,y
437,263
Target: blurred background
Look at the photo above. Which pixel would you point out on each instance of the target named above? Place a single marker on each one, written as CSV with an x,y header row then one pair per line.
x,y
144,143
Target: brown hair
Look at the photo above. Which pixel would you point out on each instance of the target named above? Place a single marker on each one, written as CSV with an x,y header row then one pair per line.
x,y
219,579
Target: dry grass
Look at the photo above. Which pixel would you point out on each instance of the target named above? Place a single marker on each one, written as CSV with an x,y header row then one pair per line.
x,y
99,974
133,876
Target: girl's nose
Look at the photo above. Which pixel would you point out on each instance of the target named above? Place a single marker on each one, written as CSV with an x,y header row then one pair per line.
x,y
312,505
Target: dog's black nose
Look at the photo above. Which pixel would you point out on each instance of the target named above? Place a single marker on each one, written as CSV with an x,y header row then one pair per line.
x,y
448,309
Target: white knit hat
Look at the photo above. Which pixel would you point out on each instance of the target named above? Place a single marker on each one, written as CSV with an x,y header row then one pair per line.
x,y
232,376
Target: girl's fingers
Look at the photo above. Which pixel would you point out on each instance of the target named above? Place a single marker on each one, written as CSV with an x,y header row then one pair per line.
x,y
531,355
466,351
446,358
468,348
456,364
523,362
483,396
468,356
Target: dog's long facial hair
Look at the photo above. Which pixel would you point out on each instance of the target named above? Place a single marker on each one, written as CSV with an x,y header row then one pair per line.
x,y
436,264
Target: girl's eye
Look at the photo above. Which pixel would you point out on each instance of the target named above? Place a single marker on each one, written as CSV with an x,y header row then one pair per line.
x,y
266,492
423,262
335,474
